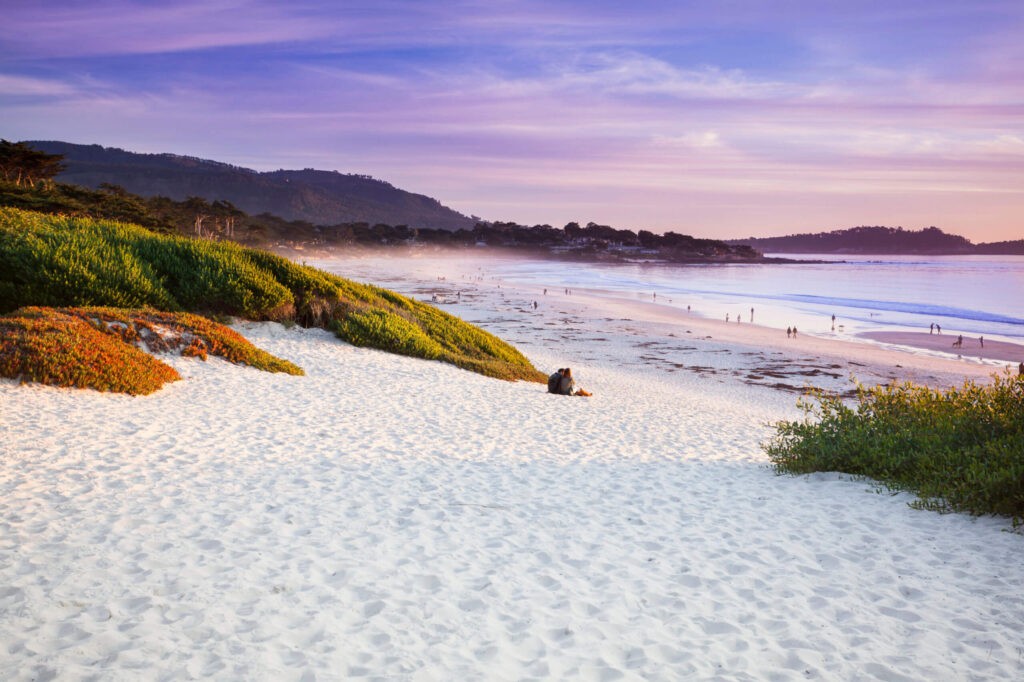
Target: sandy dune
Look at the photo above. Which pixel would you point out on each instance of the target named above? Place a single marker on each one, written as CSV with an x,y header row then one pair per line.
x,y
389,518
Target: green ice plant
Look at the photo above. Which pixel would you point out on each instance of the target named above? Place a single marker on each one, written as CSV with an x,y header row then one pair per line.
x,y
60,261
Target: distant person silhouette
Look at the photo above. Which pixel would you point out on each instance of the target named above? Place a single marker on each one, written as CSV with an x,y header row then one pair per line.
x,y
931,328
789,332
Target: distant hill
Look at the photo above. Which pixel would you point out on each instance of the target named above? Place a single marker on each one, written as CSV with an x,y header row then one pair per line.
x,y
314,196
879,240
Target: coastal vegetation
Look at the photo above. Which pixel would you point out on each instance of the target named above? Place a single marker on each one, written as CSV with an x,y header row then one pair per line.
x,y
308,209
223,221
961,449
64,261
99,347
61,349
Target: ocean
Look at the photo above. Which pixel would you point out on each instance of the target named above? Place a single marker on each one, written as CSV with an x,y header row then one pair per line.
x,y
969,295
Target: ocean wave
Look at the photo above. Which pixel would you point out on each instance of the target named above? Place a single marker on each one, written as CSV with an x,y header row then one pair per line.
x,y
927,309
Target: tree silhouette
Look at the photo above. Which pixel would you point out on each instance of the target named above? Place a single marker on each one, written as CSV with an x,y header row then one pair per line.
x,y
20,164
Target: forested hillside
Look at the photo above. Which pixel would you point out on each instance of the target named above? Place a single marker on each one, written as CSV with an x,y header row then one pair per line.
x,y
312,196
879,240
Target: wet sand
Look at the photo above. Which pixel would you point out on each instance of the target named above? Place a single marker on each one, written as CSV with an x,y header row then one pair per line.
x,y
943,343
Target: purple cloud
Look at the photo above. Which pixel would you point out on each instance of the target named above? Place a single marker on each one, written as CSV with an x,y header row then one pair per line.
x,y
805,116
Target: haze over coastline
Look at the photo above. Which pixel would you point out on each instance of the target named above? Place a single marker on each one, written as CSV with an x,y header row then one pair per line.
x,y
756,122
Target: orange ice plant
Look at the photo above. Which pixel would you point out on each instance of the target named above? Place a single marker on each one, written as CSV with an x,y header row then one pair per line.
x,y
99,347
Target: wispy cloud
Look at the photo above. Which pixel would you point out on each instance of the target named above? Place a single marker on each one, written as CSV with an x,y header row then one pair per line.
x,y
685,117
68,29
21,86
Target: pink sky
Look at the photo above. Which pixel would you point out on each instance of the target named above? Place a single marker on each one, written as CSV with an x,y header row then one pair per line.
x,y
805,117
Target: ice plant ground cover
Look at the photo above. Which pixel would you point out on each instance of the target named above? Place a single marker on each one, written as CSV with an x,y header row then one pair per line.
x,y
99,348
50,260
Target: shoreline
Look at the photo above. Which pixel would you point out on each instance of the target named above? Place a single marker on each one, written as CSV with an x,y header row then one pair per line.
x,y
727,352
1001,351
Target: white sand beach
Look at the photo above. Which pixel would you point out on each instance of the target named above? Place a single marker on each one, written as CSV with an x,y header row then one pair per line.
x,y
397,519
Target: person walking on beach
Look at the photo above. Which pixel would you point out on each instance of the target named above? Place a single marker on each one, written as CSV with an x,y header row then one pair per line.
x,y
727,317
938,329
794,332
931,328
568,385
981,340
789,332
751,316
555,381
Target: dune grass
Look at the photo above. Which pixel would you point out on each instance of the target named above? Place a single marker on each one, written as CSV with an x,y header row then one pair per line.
x,y
60,261
98,348
959,450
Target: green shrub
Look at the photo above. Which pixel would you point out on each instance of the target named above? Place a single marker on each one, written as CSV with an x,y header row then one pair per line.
x,y
959,450
52,260
400,335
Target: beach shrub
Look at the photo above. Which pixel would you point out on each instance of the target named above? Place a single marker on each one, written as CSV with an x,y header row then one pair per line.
x,y
402,335
99,347
60,261
961,449
51,347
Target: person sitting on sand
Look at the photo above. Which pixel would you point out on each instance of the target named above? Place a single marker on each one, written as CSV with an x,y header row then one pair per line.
x,y
555,381
568,385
